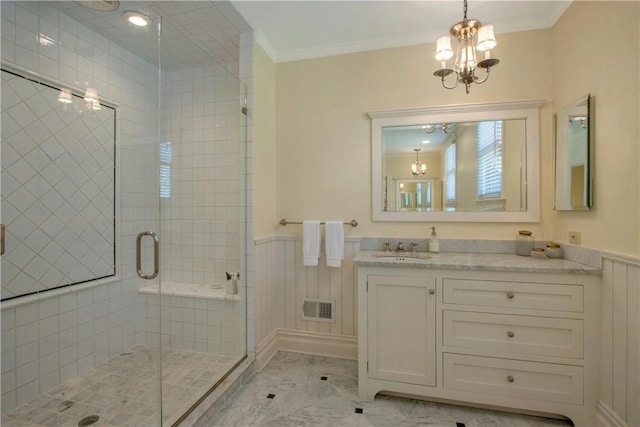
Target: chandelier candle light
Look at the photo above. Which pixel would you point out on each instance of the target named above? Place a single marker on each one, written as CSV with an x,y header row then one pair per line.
x,y
418,168
466,61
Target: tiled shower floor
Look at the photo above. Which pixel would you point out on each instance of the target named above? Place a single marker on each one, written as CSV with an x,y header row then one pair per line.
x,y
303,390
124,390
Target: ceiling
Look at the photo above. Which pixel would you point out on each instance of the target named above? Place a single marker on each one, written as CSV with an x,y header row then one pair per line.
x,y
193,32
293,30
199,32
402,140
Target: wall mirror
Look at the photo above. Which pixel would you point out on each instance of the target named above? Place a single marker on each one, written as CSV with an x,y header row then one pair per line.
x,y
574,156
471,162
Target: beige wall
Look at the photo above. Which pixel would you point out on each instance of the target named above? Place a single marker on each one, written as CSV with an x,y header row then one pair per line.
x,y
605,64
264,144
323,133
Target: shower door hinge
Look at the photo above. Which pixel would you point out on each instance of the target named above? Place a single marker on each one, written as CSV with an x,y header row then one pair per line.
x,y
1,239
244,110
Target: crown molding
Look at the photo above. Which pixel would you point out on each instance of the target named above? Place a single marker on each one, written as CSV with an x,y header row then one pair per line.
x,y
344,48
265,45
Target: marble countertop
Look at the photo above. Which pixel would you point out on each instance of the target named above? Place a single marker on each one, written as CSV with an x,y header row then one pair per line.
x,y
472,261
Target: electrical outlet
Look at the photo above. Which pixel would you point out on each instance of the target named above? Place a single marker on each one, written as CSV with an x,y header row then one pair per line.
x,y
574,237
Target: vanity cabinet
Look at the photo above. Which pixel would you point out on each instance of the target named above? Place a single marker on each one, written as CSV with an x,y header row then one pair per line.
x,y
519,340
402,329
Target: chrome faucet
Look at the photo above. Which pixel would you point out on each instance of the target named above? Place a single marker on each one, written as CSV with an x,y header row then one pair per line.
x,y
414,248
400,248
387,247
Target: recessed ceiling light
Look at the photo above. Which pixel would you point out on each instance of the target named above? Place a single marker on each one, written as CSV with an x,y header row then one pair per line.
x,y
426,141
138,19
101,5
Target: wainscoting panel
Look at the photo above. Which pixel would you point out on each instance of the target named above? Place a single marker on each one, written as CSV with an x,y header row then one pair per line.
x,y
268,303
282,282
620,376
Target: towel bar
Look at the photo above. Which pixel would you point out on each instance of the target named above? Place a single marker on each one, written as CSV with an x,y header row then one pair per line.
x,y
283,221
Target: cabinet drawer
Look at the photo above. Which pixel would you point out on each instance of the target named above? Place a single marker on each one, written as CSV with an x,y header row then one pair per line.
x,y
513,334
531,296
514,378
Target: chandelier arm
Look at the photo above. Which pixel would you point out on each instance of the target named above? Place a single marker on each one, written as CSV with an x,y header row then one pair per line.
x,y
450,87
477,80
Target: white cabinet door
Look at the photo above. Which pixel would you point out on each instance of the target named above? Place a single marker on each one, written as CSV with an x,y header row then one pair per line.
x,y
402,328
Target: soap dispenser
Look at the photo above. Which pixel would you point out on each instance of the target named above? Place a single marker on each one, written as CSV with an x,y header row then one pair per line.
x,y
434,245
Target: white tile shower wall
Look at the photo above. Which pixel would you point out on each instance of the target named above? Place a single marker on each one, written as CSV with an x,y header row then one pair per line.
x,y
195,324
203,215
58,179
57,337
282,281
200,216
54,339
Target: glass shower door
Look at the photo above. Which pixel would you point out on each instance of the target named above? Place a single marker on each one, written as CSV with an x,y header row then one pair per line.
x,y
202,155
79,154
123,156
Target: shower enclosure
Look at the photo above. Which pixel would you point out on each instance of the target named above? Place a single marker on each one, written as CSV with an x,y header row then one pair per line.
x,y
123,198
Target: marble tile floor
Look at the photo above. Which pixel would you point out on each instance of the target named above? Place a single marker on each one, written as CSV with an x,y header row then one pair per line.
x,y
303,390
124,391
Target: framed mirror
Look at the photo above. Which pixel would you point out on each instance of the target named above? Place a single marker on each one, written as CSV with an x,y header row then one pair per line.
x,y
574,156
470,163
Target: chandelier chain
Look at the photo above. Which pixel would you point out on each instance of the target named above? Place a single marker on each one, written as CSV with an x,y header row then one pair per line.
x,y
465,11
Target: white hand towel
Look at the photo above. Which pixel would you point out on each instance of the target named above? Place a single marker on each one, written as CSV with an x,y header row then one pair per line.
x,y
310,243
334,243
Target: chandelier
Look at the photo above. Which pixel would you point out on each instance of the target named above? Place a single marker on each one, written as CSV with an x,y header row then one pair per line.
x,y
466,61
418,168
445,127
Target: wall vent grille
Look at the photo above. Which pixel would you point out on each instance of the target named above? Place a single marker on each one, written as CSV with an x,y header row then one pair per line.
x,y
318,310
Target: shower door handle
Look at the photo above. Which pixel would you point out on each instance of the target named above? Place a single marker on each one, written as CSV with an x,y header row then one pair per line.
x,y
1,239
156,255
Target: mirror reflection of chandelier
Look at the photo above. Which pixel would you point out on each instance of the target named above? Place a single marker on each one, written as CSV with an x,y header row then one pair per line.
x,y
472,36
446,127
418,168
91,99
581,119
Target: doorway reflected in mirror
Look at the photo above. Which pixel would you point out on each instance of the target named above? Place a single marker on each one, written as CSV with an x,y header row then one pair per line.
x,y
574,156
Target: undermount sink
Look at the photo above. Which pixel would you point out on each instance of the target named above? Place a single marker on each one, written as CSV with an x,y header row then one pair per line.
x,y
402,256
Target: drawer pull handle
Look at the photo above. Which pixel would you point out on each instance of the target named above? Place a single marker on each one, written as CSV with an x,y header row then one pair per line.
x,y
432,291
510,295
510,334
510,379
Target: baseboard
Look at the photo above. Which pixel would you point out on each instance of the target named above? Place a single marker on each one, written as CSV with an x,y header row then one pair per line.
x,y
605,417
266,349
339,346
